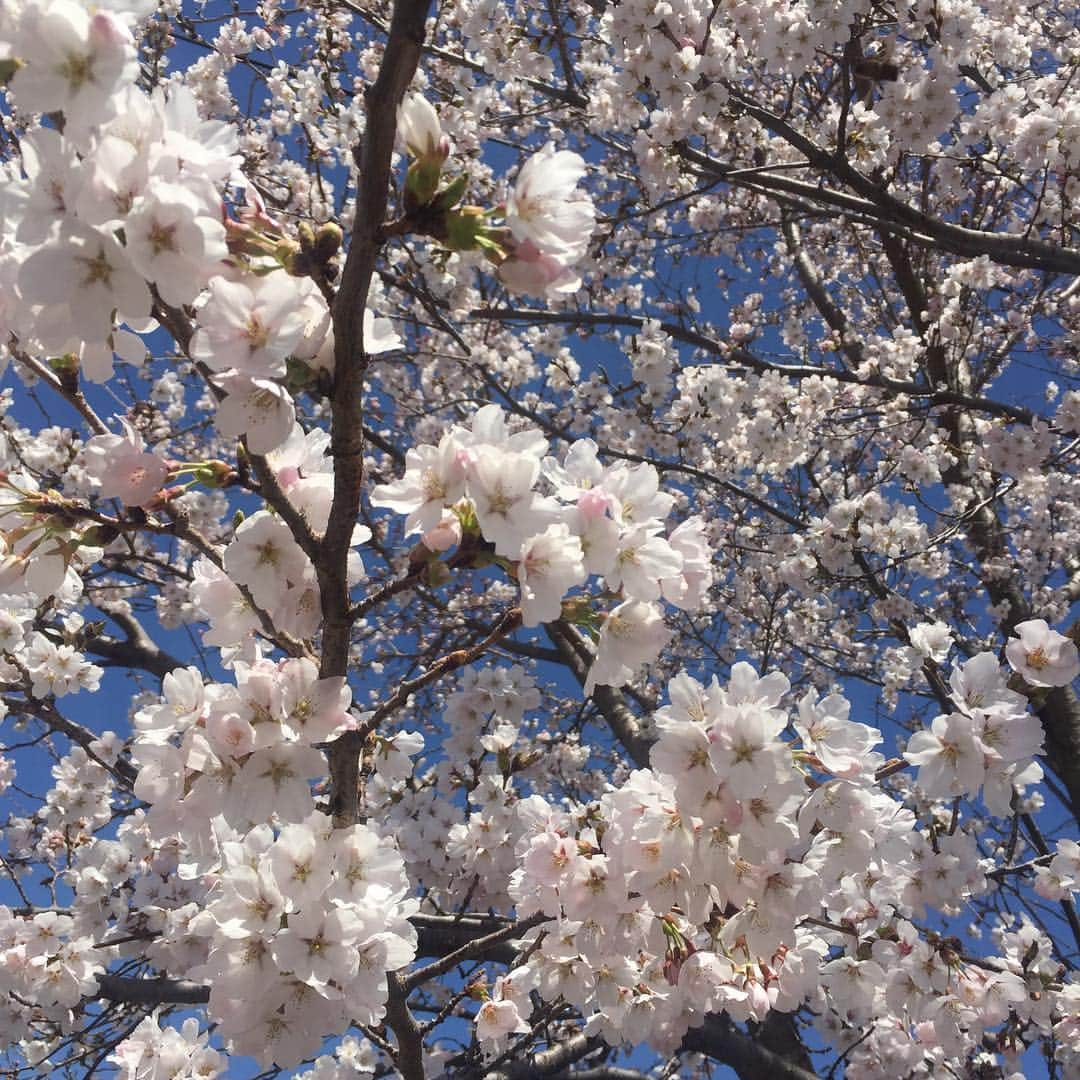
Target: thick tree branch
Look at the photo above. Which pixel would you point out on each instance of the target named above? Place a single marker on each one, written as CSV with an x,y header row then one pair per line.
x,y
135,991
409,1056
136,649
872,200
406,38
719,1038
611,704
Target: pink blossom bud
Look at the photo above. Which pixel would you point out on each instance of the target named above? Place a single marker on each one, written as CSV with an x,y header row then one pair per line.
x,y
445,535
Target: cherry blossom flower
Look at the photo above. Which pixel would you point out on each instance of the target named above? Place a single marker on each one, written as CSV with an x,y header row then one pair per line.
x,y
174,241
549,565
123,469
434,479
180,1051
949,755
82,277
534,272
75,61
932,640
507,507
642,561
631,635
249,329
844,748
1043,656
256,409
264,556
316,947
497,1019
689,588
52,186
543,207
1062,876
445,535
276,781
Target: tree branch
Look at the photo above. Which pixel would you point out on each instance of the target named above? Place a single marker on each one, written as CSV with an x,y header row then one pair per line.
x,y
438,935
48,714
552,1060
872,200
406,37
609,701
719,1038
409,1057
136,649
470,950
134,991
744,358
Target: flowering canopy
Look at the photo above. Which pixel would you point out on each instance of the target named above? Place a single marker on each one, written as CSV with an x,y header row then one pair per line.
x,y
539,539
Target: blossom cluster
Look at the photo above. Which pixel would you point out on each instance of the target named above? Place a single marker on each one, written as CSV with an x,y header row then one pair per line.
x,y
312,915
598,520
151,1050
548,221
144,167
453,851
746,872
989,742
123,216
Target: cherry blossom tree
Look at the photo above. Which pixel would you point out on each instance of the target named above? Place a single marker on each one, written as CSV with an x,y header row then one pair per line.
x,y
539,539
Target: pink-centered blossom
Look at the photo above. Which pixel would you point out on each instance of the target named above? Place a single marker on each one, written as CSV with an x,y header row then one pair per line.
x,y
434,479
83,277
259,410
949,755
123,469
497,1019
75,60
250,328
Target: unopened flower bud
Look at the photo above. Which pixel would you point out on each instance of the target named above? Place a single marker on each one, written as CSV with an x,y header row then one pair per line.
x,y
306,235
327,241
